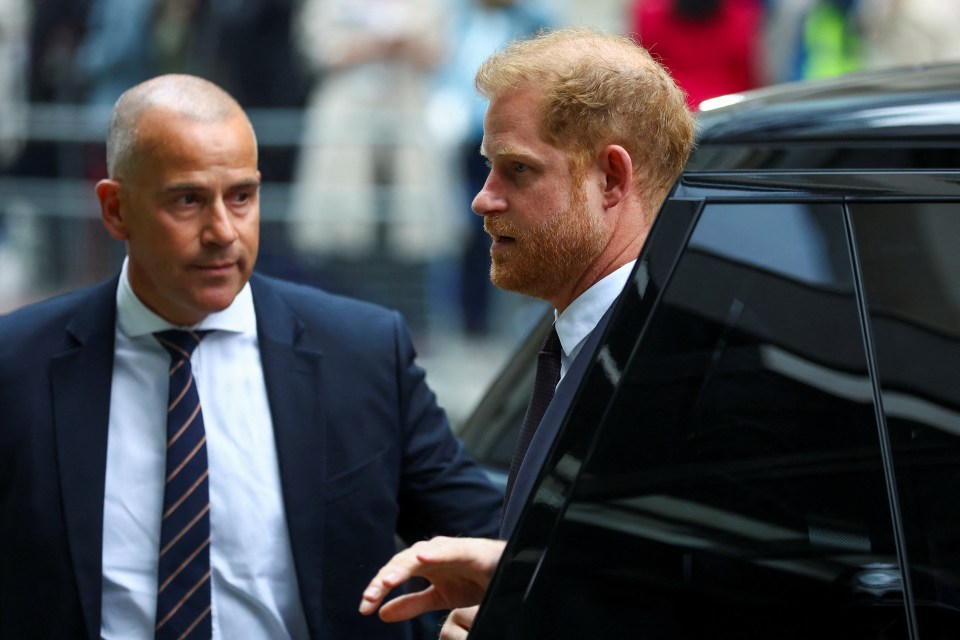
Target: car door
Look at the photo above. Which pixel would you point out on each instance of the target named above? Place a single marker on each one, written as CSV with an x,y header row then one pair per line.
x,y
910,268
739,461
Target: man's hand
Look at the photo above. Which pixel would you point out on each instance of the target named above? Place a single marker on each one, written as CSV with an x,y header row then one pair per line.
x,y
458,569
458,624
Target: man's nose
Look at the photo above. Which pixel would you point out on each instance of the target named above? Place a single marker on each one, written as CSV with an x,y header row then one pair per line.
x,y
488,202
219,228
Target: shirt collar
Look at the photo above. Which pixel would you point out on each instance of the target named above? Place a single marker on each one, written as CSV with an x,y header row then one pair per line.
x,y
135,319
581,317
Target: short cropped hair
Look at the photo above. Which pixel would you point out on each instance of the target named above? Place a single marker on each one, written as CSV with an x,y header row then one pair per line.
x,y
600,89
188,96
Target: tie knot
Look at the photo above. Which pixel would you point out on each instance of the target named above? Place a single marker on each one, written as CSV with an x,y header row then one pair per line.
x,y
179,343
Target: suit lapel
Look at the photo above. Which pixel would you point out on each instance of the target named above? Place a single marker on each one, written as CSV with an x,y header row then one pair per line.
x,y
291,370
80,381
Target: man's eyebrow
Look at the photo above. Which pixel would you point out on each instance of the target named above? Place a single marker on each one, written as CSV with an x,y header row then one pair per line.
x,y
251,183
509,151
178,187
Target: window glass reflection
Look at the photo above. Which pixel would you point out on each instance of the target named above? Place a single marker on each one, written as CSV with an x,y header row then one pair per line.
x,y
911,273
785,238
735,487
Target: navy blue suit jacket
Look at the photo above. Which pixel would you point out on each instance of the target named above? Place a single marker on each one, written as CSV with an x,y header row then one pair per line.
x,y
547,430
364,453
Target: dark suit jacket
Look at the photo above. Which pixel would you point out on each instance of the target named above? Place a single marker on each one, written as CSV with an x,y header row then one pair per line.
x,y
547,430
364,452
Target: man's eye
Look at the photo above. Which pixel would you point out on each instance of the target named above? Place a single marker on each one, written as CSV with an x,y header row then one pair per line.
x,y
520,167
187,199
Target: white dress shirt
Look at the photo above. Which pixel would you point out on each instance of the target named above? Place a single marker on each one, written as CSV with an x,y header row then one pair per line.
x,y
581,317
254,586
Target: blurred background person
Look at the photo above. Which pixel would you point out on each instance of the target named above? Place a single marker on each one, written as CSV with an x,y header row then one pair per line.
x,y
57,28
15,19
114,53
831,40
15,16
254,59
479,28
900,32
711,47
127,41
809,39
54,32
369,186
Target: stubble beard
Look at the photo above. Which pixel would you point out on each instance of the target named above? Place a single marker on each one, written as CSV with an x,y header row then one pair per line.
x,y
551,256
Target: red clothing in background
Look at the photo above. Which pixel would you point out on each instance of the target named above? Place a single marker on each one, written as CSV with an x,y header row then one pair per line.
x,y
707,57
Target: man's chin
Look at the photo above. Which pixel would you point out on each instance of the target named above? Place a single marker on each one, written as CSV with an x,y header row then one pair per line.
x,y
509,280
501,277
218,299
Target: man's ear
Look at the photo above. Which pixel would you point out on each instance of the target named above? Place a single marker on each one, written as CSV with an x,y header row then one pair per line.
x,y
108,192
617,168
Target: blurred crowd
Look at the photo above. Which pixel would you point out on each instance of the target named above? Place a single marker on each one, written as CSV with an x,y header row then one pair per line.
x,y
379,181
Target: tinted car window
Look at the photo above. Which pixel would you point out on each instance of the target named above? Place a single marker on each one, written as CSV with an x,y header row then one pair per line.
x,y
911,273
730,492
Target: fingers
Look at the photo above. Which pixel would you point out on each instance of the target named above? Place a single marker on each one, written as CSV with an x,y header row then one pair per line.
x,y
466,560
478,556
397,571
445,550
410,605
459,570
400,568
458,624
378,589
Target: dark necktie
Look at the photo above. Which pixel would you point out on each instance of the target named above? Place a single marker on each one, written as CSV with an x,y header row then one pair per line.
x,y
183,581
548,375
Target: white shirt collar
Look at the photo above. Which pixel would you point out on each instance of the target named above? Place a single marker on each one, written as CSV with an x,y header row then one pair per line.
x,y
135,319
581,317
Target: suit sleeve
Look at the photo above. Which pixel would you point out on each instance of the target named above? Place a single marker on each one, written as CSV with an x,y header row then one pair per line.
x,y
442,490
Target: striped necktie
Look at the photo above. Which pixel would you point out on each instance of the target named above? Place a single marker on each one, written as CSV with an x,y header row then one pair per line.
x,y
183,580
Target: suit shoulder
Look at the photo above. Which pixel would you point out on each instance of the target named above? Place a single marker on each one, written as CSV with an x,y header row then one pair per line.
x,y
316,305
55,311
42,327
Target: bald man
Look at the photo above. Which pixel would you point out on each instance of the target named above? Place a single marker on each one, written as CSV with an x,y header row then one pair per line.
x,y
190,449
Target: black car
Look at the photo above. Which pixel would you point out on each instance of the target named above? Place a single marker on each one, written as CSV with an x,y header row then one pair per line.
x,y
766,444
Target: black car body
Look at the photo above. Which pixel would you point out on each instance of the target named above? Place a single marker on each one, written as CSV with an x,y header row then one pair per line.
x,y
767,442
